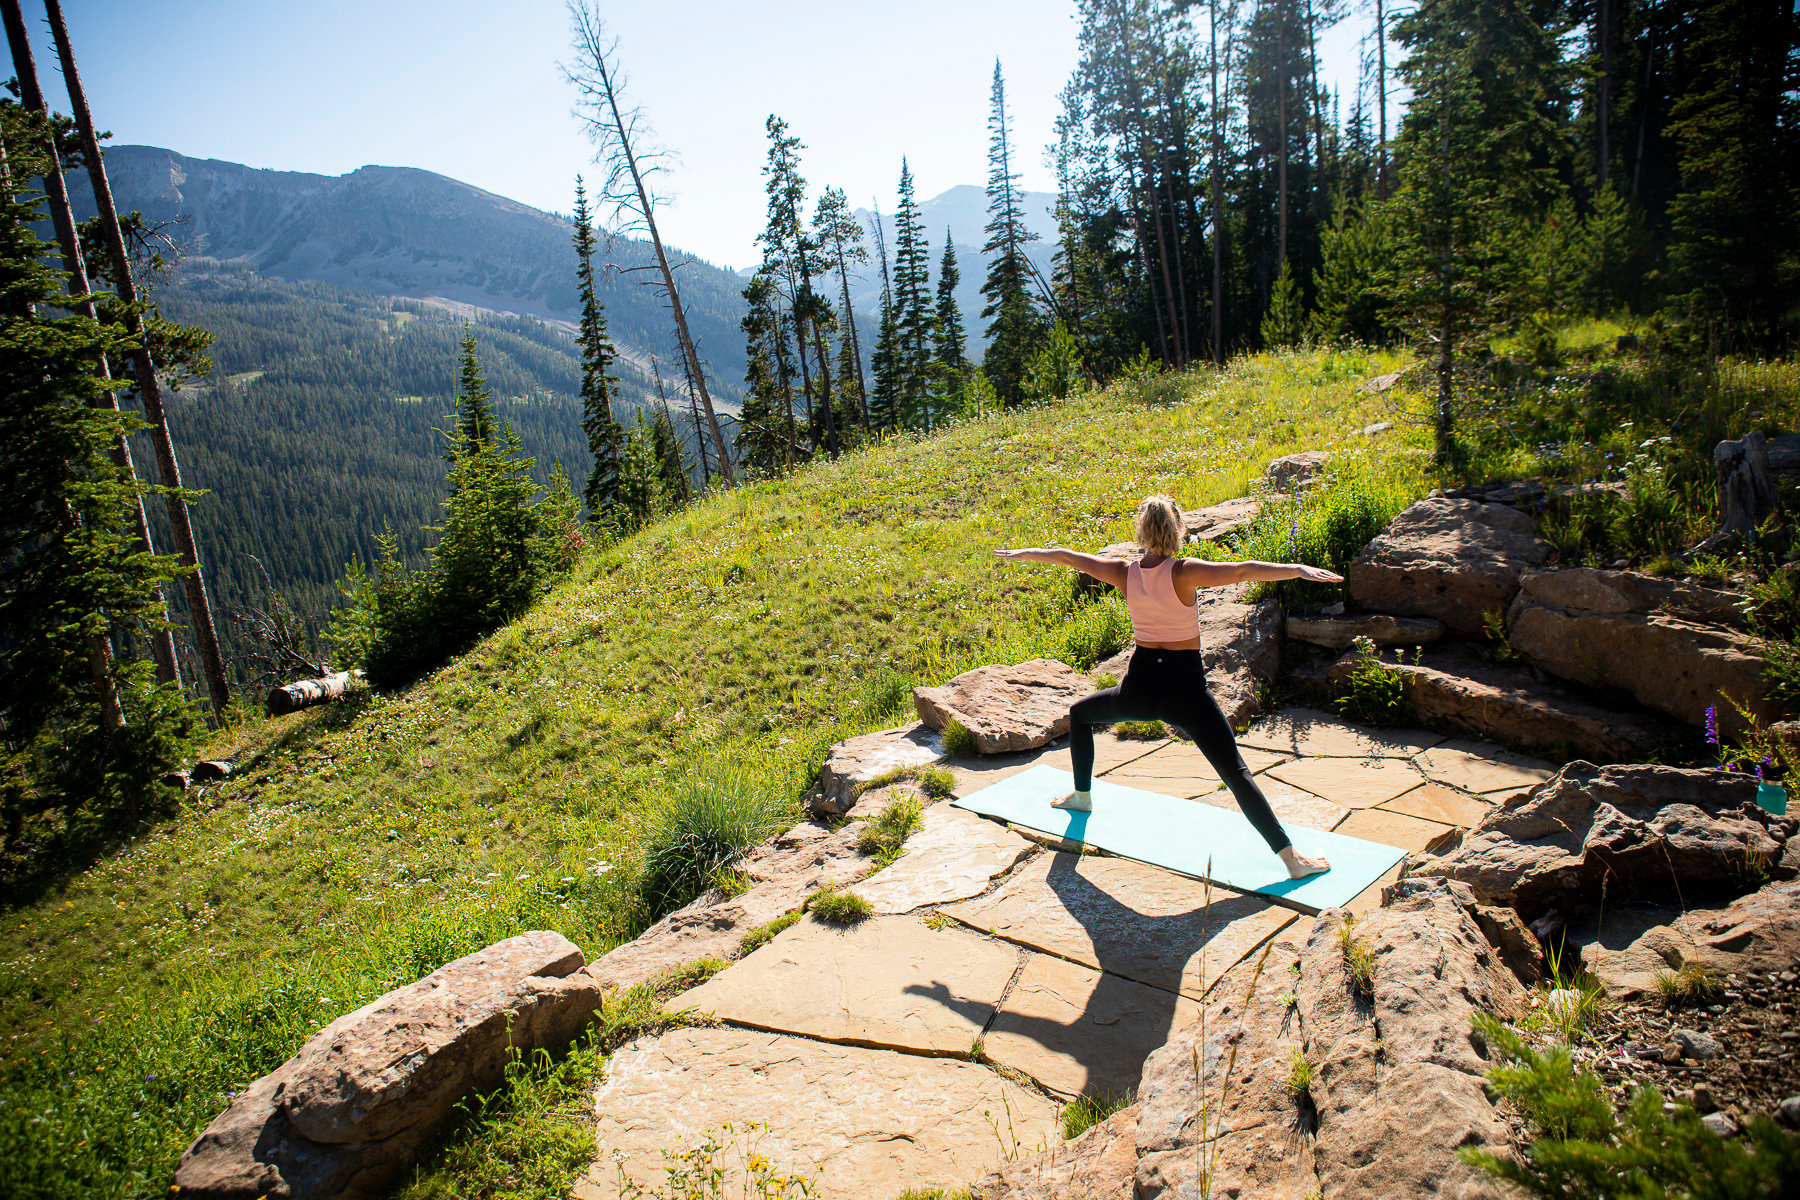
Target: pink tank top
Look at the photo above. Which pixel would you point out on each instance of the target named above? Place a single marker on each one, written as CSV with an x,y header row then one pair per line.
x,y
1157,613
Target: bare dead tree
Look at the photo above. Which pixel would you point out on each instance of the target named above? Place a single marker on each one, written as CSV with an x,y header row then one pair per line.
x,y
199,607
622,146
280,648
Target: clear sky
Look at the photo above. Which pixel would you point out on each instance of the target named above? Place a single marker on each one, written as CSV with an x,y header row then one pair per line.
x,y
472,89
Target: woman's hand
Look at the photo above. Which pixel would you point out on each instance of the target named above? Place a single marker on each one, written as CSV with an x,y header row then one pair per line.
x,y
1314,574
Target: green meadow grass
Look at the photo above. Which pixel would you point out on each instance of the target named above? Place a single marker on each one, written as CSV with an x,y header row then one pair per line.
x,y
359,846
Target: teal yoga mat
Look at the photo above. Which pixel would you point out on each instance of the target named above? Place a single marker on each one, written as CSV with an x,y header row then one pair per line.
x,y
1184,835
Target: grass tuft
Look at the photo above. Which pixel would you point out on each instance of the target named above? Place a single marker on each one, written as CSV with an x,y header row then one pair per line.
x,y
838,906
882,837
1300,1072
763,934
1140,731
1089,1109
712,816
936,782
1359,958
1692,984
958,741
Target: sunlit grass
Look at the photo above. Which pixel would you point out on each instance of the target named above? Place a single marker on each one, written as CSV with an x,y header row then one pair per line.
x,y
362,845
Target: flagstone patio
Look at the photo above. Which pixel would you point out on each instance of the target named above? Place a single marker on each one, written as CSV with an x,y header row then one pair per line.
x,y
1048,974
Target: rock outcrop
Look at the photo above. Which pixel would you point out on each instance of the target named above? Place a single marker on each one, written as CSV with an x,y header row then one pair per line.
x,y
851,765
1452,560
347,1116
1006,708
1241,645
1294,471
1672,645
1397,1079
1628,946
1336,632
1644,830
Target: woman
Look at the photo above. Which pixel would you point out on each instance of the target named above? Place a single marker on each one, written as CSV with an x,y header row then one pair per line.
x,y
1166,680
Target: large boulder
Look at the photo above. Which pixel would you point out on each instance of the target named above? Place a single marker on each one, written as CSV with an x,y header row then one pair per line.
x,y
851,765
1672,645
1637,830
1292,472
1221,520
1241,647
1006,708
1453,560
1397,1078
348,1115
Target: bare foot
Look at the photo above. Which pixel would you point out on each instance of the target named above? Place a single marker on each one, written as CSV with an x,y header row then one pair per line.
x,y
1299,866
1075,802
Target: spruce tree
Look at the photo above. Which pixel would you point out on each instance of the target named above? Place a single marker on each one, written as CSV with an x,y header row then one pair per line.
x,y
765,437
794,255
474,404
1283,324
605,437
952,358
641,495
69,572
1014,325
840,236
671,460
913,316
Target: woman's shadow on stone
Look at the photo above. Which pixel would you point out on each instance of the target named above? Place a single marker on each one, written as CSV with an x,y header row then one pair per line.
x,y
1132,1005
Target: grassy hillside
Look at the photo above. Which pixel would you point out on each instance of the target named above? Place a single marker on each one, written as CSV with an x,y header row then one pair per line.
x,y
364,844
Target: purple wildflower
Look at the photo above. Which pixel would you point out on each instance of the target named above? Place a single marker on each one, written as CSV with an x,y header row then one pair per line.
x,y
1712,725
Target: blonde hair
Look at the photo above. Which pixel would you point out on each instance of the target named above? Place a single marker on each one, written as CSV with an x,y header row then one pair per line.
x,y
1159,526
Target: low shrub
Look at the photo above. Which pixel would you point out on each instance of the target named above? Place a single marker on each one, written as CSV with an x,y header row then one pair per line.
x,y
1584,1150
712,816
1140,731
1374,694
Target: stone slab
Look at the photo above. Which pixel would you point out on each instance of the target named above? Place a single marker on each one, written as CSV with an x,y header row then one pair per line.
x,y
1075,1030
1351,782
1294,807
1483,767
952,856
851,764
854,1123
1434,802
1306,732
974,773
1127,918
887,982
1391,828
1179,769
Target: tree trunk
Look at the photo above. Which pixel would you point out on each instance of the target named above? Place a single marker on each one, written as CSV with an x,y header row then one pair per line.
x,y
1318,116
1282,119
662,261
1603,117
1746,488
1218,199
1381,173
162,641
307,692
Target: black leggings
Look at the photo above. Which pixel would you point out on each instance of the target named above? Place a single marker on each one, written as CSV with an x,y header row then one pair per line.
x,y
1170,685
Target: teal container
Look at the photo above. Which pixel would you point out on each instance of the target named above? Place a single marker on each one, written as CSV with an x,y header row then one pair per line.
x,y
1772,797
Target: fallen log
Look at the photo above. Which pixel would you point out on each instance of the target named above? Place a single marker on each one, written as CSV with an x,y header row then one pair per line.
x,y
307,692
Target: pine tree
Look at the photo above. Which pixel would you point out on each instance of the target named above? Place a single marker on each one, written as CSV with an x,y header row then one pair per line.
x,y
838,233
473,402
913,316
794,256
71,572
1014,325
641,495
605,437
1284,323
885,413
952,360
671,461
765,438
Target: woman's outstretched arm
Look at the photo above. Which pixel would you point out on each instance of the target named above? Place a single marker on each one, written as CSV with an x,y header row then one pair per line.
x,y
1106,570
1201,573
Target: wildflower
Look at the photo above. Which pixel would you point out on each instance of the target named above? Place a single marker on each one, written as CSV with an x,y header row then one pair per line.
x,y
1712,725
